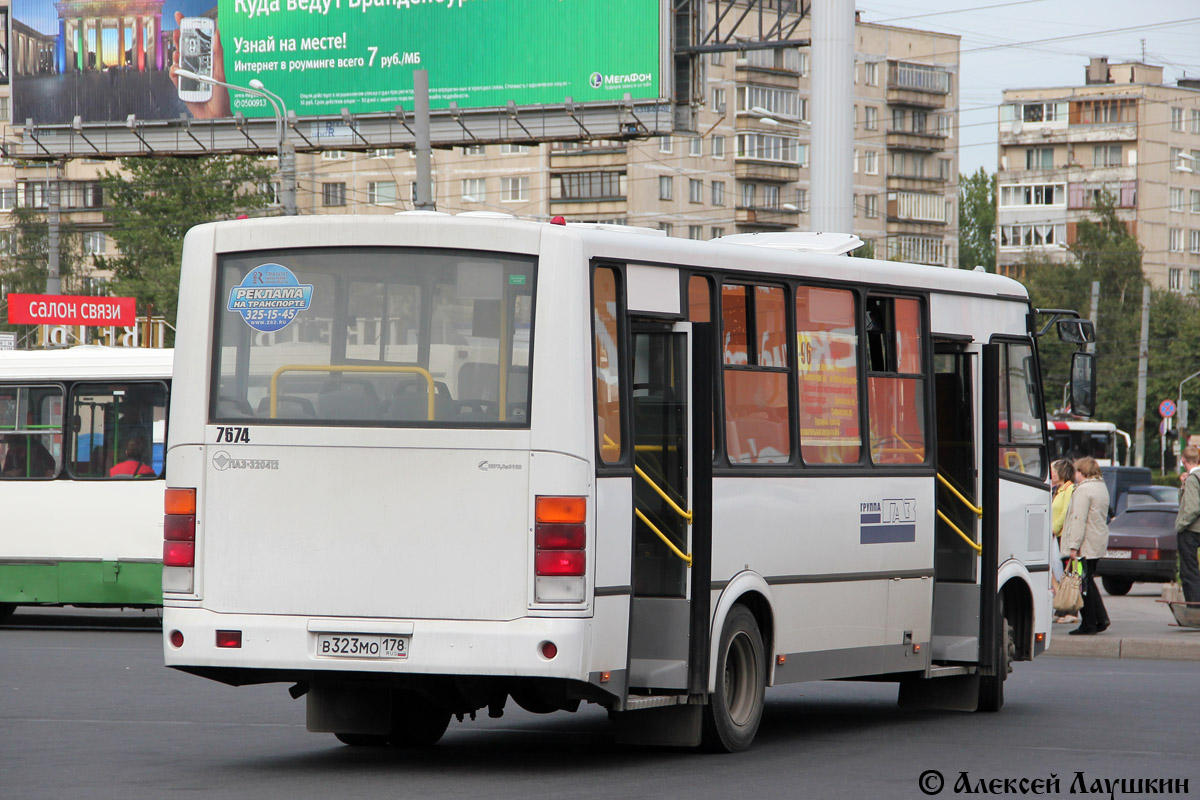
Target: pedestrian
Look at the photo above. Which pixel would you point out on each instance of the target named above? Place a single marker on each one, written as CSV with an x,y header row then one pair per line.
x,y
1085,537
1062,482
1187,525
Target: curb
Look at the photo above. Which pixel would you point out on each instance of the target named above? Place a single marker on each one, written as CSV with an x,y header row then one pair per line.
x,y
1099,646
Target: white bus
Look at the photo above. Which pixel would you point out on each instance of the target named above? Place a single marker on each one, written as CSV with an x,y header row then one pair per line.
x,y
82,441
1073,438
423,464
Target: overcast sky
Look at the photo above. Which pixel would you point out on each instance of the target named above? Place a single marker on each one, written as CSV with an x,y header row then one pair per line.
x,y
1004,47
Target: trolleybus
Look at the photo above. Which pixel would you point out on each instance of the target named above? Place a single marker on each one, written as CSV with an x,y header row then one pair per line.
x,y
82,441
1103,441
423,465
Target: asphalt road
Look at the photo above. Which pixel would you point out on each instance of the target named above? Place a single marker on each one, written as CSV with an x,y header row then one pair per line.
x,y
93,714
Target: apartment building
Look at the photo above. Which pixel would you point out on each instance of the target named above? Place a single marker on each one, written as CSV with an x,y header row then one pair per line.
x,y
1123,132
743,166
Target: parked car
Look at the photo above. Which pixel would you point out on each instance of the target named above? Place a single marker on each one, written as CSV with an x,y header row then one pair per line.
x,y
1140,495
1141,547
1119,480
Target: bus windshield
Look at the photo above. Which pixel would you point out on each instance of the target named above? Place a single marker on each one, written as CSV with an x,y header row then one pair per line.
x,y
374,336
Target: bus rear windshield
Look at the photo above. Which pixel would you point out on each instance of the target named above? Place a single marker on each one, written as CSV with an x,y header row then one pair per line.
x,y
373,336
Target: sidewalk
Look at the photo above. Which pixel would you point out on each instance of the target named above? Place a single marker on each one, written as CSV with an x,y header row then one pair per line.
x,y
1141,628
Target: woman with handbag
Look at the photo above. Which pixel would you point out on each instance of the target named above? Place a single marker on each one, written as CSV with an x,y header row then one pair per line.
x,y
1085,537
1062,482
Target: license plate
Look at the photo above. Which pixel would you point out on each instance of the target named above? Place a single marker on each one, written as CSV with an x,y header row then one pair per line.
x,y
1118,554
358,645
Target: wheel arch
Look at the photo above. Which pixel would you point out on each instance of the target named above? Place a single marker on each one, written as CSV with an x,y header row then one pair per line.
x,y
1016,592
751,590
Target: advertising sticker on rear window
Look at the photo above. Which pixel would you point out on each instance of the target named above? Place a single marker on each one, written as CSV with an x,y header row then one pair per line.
x,y
270,297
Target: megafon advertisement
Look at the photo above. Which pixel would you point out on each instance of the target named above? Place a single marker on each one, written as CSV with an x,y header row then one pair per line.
x,y
102,60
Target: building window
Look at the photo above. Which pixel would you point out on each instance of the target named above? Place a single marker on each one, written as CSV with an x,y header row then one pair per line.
x,y
871,205
1181,161
718,193
871,118
802,155
474,190
695,146
944,168
333,155
1175,279
871,73
333,194
1035,194
664,144
665,227
871,162
381,192
716,59
1175,240
749,195
767,147
1176,119
1089,112
1039,158
384,152
918,121
1176,199
1195,120
513,149
8,198
718,147
695,231
1196,201
718,100
802,63
589,186
1194,275
474,150
921,206
666,187
802,200
945,125
916,249
1106,155
1032,235
1194,241
717,233
897,120
514,189
94,243
770,196
775,101
695,191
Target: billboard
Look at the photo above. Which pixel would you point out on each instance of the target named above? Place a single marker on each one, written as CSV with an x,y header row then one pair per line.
x,y
69,309
102,60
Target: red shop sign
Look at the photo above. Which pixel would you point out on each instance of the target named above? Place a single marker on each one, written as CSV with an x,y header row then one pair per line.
x,y
70,309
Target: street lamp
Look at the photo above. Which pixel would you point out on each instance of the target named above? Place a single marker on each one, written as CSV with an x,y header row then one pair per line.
x,y
284,152
764,116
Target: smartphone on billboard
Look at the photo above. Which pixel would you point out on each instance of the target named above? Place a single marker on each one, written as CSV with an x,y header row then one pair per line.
x,y
195,55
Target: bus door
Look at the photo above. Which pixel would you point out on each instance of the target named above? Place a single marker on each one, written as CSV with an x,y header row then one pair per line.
x,y
956,554
668,631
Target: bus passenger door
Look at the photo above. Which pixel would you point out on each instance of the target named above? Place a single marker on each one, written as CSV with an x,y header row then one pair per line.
x,y
956,562
668,632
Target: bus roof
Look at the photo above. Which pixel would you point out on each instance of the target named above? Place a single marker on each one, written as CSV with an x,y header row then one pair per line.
x,y
1080,425
497,233
86,361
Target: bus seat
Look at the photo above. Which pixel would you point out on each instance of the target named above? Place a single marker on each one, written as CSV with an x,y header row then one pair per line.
x,y
348,398
287,406
233,407
479,380
410,402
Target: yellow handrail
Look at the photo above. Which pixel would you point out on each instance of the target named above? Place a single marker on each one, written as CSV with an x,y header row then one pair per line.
x,y
978,547
687,557
674,507
1008,460
344,368
978,511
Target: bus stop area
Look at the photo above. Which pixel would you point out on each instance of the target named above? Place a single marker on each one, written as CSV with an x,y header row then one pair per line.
x,y
1141,627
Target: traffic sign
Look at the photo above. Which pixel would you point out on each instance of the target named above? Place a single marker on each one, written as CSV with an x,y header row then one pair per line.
x,y
1166,408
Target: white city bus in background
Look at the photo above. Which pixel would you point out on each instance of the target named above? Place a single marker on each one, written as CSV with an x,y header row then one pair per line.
x,y
422,464
1074,438
82,444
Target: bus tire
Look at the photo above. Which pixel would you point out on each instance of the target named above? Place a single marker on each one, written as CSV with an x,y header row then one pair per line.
x,y
991,687
735,709
416,722
6,610
362,739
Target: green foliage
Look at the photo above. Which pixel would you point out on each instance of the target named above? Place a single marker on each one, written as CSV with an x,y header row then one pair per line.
x,y
977,221
25,268
1105,252
866,251
155,201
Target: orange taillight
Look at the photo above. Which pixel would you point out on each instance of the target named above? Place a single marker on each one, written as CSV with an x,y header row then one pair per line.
x,y
561,509
180,501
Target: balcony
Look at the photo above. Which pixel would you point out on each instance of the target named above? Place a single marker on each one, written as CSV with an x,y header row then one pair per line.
x,y
1033,133
917,85
589,157
925,141
769,171
766,218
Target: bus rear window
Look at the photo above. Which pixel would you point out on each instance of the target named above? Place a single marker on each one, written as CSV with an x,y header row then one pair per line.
x,y
374,336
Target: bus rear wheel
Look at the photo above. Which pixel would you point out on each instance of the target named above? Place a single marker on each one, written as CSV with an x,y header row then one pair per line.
x,y
991,687
735,709
416,722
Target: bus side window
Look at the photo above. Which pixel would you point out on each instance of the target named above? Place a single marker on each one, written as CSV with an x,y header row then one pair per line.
x,y
896,393
31,424
827,381
606,312
1020,411
754,344
118,430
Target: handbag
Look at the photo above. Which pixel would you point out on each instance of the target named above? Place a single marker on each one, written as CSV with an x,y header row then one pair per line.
x,y
1069,594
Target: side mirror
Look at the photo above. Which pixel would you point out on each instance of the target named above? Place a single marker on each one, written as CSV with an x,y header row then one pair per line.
x,y
1076,331
1083,384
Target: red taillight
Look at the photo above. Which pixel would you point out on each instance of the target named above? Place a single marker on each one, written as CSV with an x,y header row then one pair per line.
x,y
179,527
179,554
1145,555
560,562
549,650
229,638
176,638
560,537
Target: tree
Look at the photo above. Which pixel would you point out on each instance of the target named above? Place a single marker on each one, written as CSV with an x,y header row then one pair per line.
x,y
977,221
153,202
25,265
